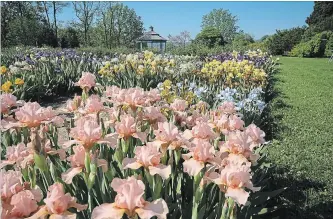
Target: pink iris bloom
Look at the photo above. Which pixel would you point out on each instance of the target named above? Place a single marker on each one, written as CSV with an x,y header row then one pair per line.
x,y
87,81
148,157
232,180
57,204
202,153
19,155
127,128
257,136
87,132
129,200
202,130
238,143
77,163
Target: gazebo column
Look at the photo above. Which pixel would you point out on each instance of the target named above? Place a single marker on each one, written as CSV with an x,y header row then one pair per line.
x,y
141,46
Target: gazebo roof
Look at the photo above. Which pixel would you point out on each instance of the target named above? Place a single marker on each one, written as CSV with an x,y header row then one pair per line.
x,y
151,36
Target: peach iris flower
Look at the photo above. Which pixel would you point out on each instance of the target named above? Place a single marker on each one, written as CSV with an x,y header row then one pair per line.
x,y
7,101
87,132
127,128
179,105
227,108
202,153
232,180
153,114
256,135
57,204
129,200
148,157
93,105
17,198
135,97
229,123
77,163
24,203
238,143
202,130
31,114
19,155
87,81
153,95
168,136
73,105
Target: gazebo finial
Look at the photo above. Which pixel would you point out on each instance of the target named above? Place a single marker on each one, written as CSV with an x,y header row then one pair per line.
x,y
151,28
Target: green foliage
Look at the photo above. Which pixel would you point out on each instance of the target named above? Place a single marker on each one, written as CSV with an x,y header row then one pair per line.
x,y
315,47
258,45
22,23
223,21
210,36
284,40
102,51
198,49
329,46
118,25
321,18
242,41
70,38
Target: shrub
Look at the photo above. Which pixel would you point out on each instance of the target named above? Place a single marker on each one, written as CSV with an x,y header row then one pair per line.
x,y
315,47
284,40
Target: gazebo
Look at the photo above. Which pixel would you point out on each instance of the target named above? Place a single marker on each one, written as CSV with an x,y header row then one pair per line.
x,y
151,40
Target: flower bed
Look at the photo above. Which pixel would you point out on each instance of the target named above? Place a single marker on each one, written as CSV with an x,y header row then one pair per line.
x,y
182,145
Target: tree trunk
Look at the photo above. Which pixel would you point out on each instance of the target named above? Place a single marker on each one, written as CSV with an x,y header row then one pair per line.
x,y
47,14
55,21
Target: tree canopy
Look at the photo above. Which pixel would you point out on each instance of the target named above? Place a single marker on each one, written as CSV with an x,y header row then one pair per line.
x,y
223,21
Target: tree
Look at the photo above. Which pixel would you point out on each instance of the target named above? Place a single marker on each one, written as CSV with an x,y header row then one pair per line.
x,y
242,40
180,40
119,25
285,40
85,12
210,36
57,7
69,38
321,19
24,23
223,21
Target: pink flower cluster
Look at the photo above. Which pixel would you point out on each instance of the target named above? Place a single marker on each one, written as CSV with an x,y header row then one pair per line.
x,y
129,200
87,81
18,200
132,97
213,143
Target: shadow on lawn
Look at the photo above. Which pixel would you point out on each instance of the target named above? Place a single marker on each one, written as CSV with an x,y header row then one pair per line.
x,y
271,122
294,199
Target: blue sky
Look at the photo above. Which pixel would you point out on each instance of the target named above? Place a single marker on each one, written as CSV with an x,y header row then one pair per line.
x,y
255,18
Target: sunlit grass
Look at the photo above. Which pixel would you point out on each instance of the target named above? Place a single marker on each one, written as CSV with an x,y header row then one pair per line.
x,y
304,152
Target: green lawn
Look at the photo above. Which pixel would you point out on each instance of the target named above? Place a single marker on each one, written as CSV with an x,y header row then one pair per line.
x,y
303,153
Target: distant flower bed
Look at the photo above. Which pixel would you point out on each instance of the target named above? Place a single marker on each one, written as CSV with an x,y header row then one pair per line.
x,y
149,135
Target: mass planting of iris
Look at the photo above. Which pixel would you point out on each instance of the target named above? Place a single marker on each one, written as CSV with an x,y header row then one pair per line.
x,y
137,152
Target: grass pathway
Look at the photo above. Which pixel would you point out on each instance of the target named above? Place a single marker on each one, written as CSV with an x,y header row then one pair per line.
x,y
304,150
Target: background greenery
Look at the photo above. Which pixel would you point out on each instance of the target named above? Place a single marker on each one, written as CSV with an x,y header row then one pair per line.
x,y
109,27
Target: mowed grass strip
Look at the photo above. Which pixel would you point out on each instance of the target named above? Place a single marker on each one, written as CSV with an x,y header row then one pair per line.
x,y
304,150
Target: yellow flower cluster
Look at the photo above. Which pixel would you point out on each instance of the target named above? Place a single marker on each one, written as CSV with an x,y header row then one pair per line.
x,y
6,87
19,81
148,62
3,70
169,93
110,70
233,72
